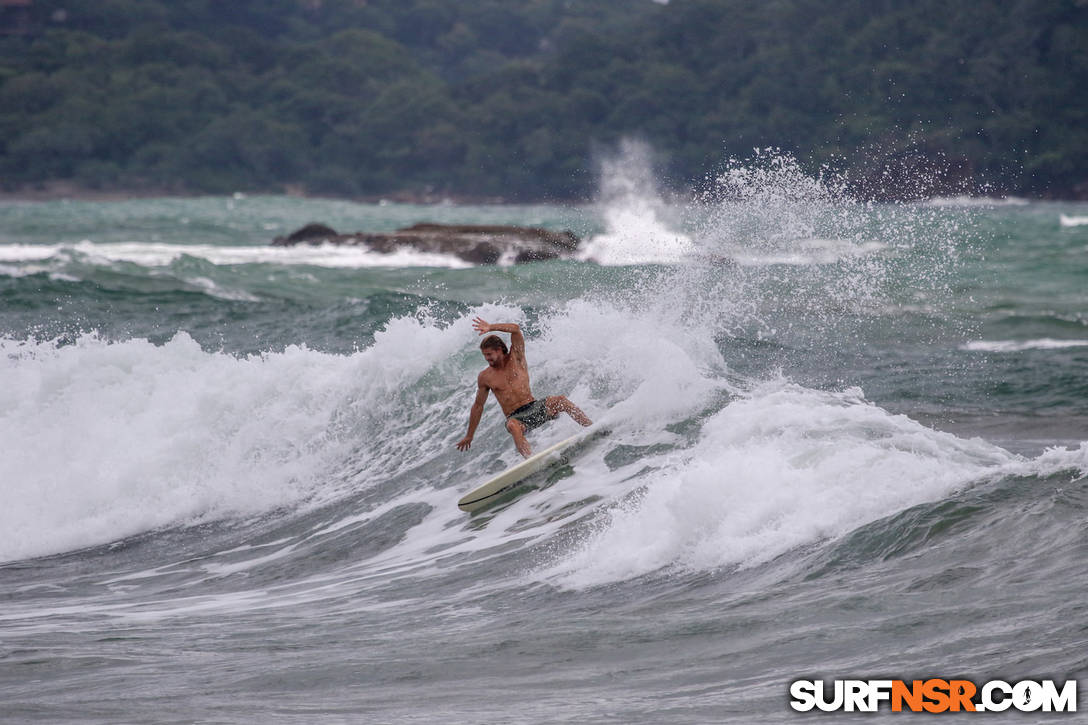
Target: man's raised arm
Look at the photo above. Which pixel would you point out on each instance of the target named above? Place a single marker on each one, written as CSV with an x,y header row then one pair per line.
x,y
517,340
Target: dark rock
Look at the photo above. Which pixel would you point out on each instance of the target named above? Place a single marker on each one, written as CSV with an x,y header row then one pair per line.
x,y
313,233
565,239
473,243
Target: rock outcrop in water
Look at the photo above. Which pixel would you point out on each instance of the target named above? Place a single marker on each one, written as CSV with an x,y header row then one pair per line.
x,y
474,243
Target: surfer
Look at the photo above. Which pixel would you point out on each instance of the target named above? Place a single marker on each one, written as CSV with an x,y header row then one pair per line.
x,y
507,376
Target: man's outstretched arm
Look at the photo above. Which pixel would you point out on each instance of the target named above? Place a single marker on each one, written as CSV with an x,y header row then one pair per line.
x,y
474,416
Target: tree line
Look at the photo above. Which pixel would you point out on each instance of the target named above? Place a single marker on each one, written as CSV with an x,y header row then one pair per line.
x,y
514,99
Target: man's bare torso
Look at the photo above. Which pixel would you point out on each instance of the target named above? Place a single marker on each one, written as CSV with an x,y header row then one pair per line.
x,y
509,383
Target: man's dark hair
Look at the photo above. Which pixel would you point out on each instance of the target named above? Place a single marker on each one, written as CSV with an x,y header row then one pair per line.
x,y
494,342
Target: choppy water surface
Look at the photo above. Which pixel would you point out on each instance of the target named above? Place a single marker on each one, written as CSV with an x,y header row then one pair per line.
x,y
847,440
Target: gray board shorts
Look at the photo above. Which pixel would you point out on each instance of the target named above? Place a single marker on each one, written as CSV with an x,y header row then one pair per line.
x,y
532,415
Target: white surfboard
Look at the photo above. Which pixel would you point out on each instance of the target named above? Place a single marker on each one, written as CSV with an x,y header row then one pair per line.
x,y
510,478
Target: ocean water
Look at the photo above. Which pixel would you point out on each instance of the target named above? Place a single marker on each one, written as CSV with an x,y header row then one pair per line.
x,y
847,440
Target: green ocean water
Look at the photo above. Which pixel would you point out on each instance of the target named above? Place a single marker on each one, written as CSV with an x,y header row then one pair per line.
x,y
847,439
991,297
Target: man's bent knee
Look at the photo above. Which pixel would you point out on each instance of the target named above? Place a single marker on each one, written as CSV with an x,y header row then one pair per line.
x,y
556,403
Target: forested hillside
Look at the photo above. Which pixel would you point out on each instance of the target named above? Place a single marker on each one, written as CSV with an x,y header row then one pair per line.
x,y
513,99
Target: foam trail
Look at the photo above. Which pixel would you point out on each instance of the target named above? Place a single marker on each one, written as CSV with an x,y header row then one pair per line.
x,y
1045,343
975,201
151,254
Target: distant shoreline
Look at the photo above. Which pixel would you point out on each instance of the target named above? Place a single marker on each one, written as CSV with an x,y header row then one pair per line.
x,y
64,190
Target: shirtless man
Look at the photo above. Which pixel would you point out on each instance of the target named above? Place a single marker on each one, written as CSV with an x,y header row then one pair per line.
x,y
507,375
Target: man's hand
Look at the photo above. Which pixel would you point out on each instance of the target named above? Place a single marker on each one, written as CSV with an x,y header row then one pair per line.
x,y
464,443
480,326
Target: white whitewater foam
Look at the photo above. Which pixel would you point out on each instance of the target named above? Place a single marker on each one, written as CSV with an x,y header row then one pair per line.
x,y
781,468
1045,343
149,254
28,252
104,441
624,385
601,349
9,271
1073,221
210,288
635,235
1055,461
632,208
975,201
108,440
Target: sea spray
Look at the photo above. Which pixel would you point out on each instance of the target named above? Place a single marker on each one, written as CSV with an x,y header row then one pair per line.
x,y
640,227
789,261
